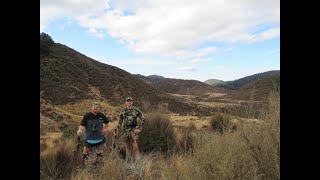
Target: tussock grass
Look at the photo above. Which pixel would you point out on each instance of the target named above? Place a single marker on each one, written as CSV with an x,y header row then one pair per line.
x,y
186,139
158,132
221,123
57,164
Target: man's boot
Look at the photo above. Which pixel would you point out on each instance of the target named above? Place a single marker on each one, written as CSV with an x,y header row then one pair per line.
x,y
98,161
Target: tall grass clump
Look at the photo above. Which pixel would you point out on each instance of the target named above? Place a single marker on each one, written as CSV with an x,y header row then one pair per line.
x,y
158,133
187,138
220,123
111,169
57,164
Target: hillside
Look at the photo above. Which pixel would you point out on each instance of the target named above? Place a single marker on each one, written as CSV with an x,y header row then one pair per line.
x,y
143,78
155,78
258,90
150,79
237,84
214,82
68,77
179,86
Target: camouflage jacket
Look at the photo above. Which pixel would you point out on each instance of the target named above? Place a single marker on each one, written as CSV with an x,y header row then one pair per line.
x,y
128,118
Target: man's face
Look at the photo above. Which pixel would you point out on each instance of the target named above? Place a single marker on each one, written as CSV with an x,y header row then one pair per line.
x,y
129,103
95,109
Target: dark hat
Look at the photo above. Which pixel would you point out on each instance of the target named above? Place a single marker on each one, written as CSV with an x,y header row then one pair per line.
x,y
129,99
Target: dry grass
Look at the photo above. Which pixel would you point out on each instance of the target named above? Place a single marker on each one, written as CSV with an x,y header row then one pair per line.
x,y
82,107
50,142
250,152
217,104
56,161
47,125
184,121
158,132
263,140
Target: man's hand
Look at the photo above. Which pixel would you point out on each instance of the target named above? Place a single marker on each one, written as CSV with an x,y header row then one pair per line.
x,y
104,130
79,132
136,130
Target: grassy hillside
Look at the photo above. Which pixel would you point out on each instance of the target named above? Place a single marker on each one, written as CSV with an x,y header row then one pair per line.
x,y
65,76
179,86
214,82
258,90
237,84
150,79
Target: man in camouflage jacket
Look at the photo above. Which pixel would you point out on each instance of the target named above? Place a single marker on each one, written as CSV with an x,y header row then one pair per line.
x,y
129,128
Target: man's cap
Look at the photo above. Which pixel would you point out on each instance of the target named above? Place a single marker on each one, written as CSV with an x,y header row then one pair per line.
x,y
95,103
129,99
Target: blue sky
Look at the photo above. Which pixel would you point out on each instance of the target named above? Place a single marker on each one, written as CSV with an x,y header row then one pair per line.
x,y
186,39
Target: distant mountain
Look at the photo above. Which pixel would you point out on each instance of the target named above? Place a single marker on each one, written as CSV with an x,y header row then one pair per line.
x,y
67,76
143,78
180,86
155,78
214,82
237,84
150,79
258,90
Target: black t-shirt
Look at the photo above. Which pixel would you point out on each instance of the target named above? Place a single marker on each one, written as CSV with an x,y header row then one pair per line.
x,y
91,116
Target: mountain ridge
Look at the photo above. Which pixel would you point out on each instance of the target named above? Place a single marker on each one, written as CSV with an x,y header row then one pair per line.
x,y
241,82
67,75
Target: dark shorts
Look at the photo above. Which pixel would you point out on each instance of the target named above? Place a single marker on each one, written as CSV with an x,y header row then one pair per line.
x,y
89,145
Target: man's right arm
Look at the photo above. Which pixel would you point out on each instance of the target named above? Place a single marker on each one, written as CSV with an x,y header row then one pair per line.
x,y
82,126
120,121
80,130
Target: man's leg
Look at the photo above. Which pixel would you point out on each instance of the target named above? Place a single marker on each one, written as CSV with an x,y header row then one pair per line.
x,y
99,150
85,153
136,150
135,145
128,151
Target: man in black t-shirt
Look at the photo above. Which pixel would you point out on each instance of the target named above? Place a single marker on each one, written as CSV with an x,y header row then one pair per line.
x,y
95,126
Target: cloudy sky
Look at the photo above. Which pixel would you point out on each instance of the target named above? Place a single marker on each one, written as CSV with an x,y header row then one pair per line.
x,y
185,39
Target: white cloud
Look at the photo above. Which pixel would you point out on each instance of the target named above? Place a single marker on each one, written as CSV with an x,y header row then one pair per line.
x,y
269,34
166,27
206,51
198,60
99,34
184,54
52,9
186,69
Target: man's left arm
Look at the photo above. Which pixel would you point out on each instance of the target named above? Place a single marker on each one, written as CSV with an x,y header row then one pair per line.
x,y
141,116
